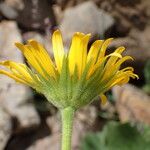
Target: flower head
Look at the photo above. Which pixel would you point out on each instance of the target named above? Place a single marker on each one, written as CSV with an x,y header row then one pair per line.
x,y
76,77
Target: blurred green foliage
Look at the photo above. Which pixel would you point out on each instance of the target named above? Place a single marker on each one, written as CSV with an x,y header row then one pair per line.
x,y
116,136
146,87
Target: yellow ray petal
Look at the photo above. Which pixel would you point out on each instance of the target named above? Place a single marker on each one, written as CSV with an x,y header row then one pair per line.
x,y
82,55
127,68
18,67
113,59
134,76
122,60
94,51
103,99
75,50
129,72
58,49
95,67
104,47
122,80
12,76
99,62
30,57
115,67
19,70
123,76
114,55
34,58
102,55
42,56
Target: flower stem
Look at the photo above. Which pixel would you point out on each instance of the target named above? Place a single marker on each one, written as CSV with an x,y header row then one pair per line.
x,y
67,115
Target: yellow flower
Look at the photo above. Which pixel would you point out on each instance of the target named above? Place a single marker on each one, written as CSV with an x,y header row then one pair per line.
x,y
76,77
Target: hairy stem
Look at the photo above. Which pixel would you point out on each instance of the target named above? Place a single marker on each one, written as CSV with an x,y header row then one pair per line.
x,y
67,115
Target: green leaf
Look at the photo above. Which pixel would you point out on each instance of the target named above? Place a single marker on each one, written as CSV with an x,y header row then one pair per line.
x,y
146,87
147,72
116,136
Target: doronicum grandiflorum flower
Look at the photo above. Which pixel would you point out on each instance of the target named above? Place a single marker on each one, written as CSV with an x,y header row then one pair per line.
x,y
75,78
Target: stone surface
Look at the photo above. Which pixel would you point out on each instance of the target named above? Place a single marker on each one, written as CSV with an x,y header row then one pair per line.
x,y
68,3
5,128
127,14
86,18
11,34
58,13
8,11
132,104
36,14
14,96
27,117
11,8
137,44
108,111
142,39
49,142
146,4
23,140
82,124
16,4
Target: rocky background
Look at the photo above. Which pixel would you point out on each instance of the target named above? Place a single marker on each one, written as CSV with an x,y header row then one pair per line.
x,y
27,121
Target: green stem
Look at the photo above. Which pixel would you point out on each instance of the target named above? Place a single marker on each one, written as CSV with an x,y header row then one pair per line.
x,y
67,115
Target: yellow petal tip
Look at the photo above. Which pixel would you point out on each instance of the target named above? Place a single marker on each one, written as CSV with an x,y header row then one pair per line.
x,y
18,44
57,32
103,99
32,40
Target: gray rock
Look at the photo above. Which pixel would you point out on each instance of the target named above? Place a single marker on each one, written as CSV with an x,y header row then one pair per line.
x,y
8,11
16,4
69,3
132,104
58,13
5,128
82,124
46,143
85,18
36,14
136,44
14,97
27,116
9,34
10,8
